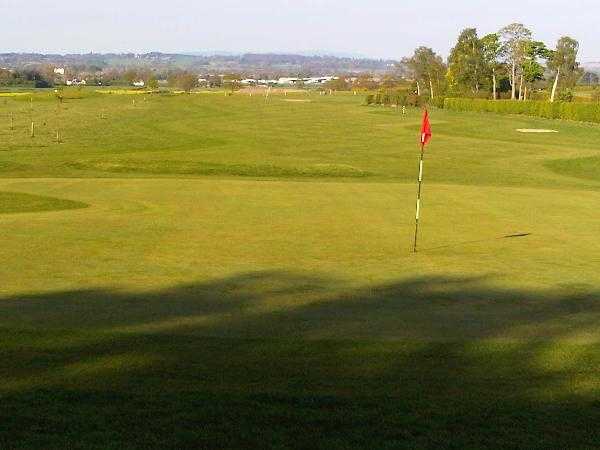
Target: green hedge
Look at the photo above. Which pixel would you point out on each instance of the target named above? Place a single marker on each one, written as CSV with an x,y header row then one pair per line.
x,y
394,97
583,112
401,97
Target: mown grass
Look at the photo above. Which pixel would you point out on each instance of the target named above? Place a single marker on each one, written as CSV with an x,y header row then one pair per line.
x,y
243,278
229,363
242,135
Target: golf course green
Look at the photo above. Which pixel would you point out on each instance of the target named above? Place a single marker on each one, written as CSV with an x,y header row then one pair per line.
x,y
212,271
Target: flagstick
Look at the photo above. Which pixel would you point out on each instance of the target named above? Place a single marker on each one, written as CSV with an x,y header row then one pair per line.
x,y
419,195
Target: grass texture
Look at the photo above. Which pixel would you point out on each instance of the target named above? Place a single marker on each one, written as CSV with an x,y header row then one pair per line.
x,y
243,278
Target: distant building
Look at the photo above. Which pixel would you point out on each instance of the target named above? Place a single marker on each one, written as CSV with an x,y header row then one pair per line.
x,y
287,81
76,82
139,83
318,80
59,71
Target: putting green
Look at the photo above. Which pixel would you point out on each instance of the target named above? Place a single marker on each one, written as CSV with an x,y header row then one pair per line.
x,y
152,234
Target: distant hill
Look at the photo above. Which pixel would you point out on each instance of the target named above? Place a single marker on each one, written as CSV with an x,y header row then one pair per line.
x,y
592,66
276,64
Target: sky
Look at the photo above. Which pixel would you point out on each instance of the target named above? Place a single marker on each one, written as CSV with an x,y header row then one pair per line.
x,y
376,28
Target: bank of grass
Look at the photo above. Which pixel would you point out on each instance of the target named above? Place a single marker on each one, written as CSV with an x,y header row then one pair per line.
x,y
17,202
168,167
587,167
188,309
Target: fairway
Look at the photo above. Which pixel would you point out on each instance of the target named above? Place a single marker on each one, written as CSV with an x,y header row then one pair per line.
x,y
211,271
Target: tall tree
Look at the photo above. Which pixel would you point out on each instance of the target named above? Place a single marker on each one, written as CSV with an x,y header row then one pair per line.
x,y
130,75
466,62
514,38
152,83
564,64
186,81
429,68
491,53
531,68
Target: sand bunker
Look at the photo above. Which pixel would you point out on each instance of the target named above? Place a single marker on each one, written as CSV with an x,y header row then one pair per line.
x,y
535,130
296,100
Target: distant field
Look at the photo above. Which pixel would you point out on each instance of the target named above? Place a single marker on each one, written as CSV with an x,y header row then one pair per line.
x,y
204,271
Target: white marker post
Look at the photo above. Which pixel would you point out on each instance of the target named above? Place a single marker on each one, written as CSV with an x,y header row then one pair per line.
x,y
418,215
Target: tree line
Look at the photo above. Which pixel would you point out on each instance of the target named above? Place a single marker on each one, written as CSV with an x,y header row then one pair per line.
x,y
509,62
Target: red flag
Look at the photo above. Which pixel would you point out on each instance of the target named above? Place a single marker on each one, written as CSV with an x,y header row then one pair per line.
x,y
425,129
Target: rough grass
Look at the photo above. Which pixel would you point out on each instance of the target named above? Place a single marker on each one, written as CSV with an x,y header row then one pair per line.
x,y
231,311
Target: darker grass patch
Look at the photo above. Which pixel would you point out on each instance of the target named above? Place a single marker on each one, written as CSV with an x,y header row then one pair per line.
x,y
241,170
9,166
587,168
17,202
73,377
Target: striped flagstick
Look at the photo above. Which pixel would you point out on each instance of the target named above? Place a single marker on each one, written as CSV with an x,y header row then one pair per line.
x,y
425,138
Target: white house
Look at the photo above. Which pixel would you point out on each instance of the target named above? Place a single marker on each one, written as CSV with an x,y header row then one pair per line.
x,y
139,83
59,71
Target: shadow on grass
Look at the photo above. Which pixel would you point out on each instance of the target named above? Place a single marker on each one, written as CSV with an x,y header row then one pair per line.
x,y
17,202
280,360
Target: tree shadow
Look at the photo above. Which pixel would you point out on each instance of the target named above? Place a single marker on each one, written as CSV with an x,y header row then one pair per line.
x,y
287,360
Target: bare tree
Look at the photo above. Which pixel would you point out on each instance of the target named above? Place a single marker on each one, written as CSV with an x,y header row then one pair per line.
x,y
564,62
429,67
514,37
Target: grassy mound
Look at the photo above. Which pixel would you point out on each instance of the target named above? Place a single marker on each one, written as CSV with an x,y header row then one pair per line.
x,y
9,166
167,167
588,168
16,202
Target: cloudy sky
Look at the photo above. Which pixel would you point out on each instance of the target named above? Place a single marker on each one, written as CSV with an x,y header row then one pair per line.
x,y
376,28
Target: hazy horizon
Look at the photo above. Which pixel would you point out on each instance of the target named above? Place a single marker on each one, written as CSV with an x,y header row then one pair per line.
x,y
385,30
